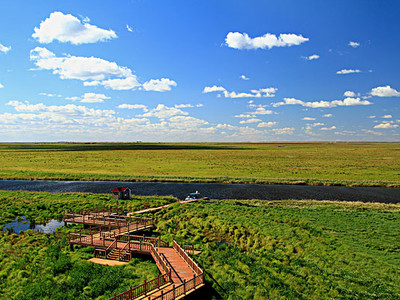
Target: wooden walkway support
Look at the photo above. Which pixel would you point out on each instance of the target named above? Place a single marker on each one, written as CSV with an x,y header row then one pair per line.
x,y
111,235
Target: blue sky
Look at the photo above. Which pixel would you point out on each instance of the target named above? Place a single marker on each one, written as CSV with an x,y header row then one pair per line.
x,y
202,71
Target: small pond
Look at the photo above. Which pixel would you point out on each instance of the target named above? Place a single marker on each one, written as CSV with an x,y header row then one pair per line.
x,y
20,224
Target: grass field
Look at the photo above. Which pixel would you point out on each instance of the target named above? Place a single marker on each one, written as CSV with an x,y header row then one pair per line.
x,y
292,249
250,249
348,164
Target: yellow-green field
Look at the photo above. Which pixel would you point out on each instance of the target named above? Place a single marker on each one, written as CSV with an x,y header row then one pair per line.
x,y
350,164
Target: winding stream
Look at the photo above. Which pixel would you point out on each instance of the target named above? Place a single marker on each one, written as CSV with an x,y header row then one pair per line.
x,y
213,190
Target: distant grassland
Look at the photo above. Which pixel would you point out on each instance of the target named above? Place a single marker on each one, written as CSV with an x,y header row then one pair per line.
x,y
347,164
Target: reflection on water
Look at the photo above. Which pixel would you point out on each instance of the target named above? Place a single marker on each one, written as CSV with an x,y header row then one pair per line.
x,y
20,224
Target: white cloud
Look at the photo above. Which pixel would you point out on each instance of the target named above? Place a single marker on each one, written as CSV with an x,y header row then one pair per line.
x,y
77,67
129,28
159,85
4,49
387,116
163,112
128,83
1,86
308,119
266,124
249,121
311,57
239,40
133,106
262,111
50,95
264,92
354,44
372,117
286,130
349,94
386,125
326,104
385,91
327,115
69,109
214,88
244,116
95,71
328,128
372,132
348,71
94,98
67,28
186,122
244,77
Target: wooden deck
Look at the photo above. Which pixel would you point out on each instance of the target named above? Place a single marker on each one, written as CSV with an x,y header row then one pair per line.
x,y
112,238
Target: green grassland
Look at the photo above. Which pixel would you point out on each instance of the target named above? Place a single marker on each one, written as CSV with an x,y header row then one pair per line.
x,y
292,249
348,164
249,249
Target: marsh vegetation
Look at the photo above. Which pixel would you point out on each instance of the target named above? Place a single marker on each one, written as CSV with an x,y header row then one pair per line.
x,y
249,249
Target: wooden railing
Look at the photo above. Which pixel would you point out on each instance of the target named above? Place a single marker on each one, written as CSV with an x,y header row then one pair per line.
x,y
110,248
160,260
182,289
140,290
187,258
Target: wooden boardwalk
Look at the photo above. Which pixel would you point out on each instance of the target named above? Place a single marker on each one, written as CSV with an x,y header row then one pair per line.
x,y
111,235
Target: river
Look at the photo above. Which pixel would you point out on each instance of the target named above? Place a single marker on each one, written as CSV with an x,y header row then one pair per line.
x,y
213,190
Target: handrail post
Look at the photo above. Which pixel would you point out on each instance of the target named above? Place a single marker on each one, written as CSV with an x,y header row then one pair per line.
x,y
145,286
162,295
184,286
194,280
130,293
173,291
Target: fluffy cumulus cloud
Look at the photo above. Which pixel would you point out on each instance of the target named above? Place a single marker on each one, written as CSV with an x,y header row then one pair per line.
x,y
241,41
327,115
94,98
162,112
323,104
159,85
311,57
244,77
387,116
348,71
133,106
129,28
308,119
4,49
354,44
1,86
94,71
384,91
328,128
67,28
264,92
59,111
386,125
349,94
249,121
266,124
286,130
188,105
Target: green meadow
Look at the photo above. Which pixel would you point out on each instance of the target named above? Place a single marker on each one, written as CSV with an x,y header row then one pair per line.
x,y
347,164
250,249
